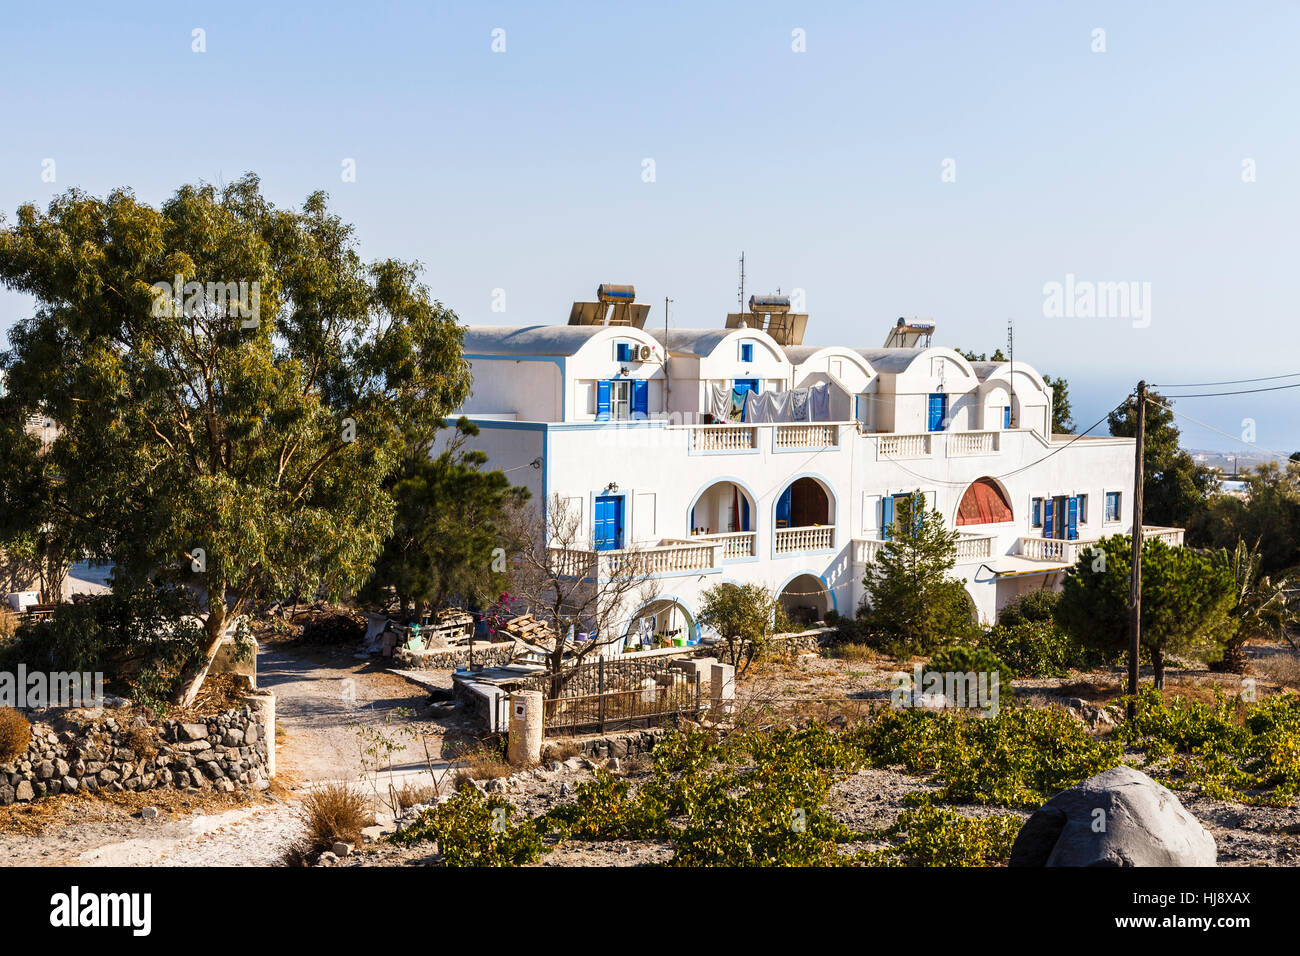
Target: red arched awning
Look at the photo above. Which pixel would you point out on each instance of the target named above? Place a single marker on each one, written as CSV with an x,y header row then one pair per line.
x,y
983,503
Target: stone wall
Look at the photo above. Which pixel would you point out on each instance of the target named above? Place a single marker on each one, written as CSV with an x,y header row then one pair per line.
x,y
610,745
227,751
485,655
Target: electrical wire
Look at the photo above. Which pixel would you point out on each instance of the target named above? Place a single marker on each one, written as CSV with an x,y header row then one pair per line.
x,y
1183,415
1236,381
1243,391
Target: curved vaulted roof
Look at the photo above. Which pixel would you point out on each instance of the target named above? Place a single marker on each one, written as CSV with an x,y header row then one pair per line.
x,y
539,339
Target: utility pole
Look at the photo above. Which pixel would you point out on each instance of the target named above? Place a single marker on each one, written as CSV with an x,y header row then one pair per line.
x,y
1135,584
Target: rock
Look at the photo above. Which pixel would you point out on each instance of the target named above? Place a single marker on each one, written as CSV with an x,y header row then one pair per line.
x,y
326,858
233,738
573,763
556,765
342,849
372,834
149,813
1141,823
24,792
6,795
194,731
613,764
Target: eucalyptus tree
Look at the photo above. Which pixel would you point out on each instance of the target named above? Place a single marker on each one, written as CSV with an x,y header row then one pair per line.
x,y
233,385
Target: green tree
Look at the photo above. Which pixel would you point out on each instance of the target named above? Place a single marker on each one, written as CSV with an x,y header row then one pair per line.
x,y
452,527
234,433
1175,487
914,604
744,615
1186,599
1062,415
1268,514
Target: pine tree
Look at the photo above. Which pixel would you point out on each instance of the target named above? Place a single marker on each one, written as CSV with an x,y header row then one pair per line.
x,y
915,605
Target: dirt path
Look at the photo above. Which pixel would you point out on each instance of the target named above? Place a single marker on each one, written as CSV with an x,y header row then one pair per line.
x,y
330,705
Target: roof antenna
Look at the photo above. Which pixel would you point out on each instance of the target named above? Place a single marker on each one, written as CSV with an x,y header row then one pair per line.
x,y
740,298
1011,350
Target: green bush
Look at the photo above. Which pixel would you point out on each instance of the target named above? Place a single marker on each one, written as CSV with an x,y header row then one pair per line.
x,y
961,659
1032,606
931,836
1020,758
473,830
1231,749
606,809
1038,648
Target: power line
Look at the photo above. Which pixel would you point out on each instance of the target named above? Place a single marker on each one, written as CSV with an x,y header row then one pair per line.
x,y
1237,381
1243,391
1235,438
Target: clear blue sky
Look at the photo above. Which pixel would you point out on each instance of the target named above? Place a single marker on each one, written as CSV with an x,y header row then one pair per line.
x,y
522,170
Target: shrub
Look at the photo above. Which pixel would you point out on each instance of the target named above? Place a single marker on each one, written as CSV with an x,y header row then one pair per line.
x,y
330,814
1032,606
1020,758
960,659
1234,751
606,809
937,837
15,734
473,830
1038,648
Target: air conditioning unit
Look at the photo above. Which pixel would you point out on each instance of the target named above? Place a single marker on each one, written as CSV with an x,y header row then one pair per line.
x,y
643,354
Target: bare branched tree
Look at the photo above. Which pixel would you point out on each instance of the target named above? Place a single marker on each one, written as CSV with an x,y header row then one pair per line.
x,y
575,588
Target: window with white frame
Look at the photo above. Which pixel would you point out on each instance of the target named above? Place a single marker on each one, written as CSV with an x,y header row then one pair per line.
x,y
1035,512
1083,508
1112,506
620,399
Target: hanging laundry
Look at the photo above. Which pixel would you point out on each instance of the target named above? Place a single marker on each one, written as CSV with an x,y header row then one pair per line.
x,y
720,402
780,406
799,405
821,403
736,413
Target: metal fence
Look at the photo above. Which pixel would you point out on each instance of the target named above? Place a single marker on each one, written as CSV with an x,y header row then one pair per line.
x,y
618,695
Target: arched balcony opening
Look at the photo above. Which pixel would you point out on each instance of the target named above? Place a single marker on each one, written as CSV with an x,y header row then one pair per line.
x,y
725,512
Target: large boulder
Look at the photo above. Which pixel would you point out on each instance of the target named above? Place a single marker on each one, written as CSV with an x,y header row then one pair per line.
x,y
1141,824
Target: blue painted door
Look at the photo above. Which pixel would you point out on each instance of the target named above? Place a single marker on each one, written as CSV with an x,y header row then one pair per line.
x,y
1072,521
783,509
608,531
938,411
886,517
1049,512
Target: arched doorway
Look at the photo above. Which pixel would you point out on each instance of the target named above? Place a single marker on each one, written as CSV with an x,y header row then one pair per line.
x,y
806,598
725,511
984,502
661,623
803,504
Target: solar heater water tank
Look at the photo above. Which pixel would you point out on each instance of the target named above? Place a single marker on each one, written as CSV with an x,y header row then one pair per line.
x,y
607,292
769,303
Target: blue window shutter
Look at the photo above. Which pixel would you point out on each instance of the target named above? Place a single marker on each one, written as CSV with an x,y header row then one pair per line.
x,y
624,352
1048,509
938,410
1072,521
886,517
1006,417
783,509
602,401
746,352
744,513
641,399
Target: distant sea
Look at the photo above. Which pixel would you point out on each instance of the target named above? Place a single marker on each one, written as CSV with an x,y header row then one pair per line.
x,y
1273,416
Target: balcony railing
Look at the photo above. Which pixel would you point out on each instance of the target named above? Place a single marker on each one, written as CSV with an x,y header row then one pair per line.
x,y
815,538
724,438
902,446
969,444
1067,552
735,544
807,436
667,558
970,547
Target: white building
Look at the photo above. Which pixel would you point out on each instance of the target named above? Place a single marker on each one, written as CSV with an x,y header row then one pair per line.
x,y
618,421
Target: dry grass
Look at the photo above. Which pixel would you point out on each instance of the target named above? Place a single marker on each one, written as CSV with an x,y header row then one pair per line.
x,y
15,734
8,624
37,817
333,813
853,652
1281,669
482,761
142,742
561,751
412,794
